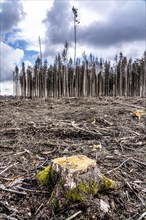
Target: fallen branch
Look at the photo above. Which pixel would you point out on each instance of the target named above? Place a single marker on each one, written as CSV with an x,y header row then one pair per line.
x,y
6,147
2,188
22,152
129,105
75,215
124,138
143,203
119,165
144,164
31,190
7,168
38,209
85,130
107,122
11,129
142,216
131,131
125,162
4,216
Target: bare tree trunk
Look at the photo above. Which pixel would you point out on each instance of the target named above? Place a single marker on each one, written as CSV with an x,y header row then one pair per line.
x,y
16,81
55,86
90,82
67,87
45,83
120,80
116,81
76,82
96,82
93,82
103,83
80,78
125,93
71,82
64,81
59,82
100,83
14,84
85,81
141,84
144,76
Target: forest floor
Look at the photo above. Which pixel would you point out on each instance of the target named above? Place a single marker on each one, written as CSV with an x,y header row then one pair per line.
x,y
33,132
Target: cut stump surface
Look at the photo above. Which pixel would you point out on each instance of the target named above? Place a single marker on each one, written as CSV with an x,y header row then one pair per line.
x,y
73,163
75,178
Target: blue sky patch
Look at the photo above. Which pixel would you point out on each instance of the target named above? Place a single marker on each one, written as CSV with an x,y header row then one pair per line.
x,y
30,55
11,40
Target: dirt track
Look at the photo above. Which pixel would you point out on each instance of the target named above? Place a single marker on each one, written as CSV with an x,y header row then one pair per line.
x,y
33,132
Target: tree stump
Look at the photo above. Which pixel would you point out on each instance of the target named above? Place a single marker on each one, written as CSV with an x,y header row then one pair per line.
x,y
75,178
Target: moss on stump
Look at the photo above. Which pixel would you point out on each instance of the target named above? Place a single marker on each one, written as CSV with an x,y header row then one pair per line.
x,y
75,178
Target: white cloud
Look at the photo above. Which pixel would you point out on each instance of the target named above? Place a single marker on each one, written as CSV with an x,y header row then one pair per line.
x,y
134,50
6,88
11,13
28,63
89,12
9,57
32,26
104,41
106,27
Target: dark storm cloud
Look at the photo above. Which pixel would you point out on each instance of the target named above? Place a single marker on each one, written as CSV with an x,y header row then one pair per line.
x,y
123,25
58,23
10,14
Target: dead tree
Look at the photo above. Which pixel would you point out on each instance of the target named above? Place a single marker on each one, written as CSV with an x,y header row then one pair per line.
x,y
15,78
144,74
75,12
29,82
89,78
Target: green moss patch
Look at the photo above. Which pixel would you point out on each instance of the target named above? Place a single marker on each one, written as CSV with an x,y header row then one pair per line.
x,y
44,176
61,194
82,192
108,183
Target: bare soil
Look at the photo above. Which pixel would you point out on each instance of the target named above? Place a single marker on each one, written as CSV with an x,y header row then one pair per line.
x,y
33,132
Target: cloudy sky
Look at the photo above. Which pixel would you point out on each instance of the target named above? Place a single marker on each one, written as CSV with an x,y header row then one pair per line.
x,y
106,28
